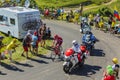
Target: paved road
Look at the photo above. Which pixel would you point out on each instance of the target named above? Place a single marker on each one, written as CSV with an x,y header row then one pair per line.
x,y
42,68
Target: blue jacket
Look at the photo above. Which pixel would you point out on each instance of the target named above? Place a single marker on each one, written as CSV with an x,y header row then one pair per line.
x,y
92,38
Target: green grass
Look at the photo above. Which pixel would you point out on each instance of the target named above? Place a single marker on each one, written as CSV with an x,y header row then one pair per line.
x,y
117,4
17,55
111,6
66,3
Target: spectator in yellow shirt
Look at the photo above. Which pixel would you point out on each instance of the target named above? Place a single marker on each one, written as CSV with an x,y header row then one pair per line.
x,y
10,47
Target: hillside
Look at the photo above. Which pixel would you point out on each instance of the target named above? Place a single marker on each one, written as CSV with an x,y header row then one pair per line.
x,y
67,3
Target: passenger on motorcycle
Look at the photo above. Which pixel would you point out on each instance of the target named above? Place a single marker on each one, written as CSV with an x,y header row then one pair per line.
x,y
57,41
89,38
84,50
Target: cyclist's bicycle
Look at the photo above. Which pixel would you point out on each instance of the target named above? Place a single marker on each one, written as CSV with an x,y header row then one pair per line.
x,y
57,51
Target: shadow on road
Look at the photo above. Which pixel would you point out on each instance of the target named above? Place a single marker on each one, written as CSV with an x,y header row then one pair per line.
x,y
43,56
39,61
86,70
98,52
1,73
24,64
11,67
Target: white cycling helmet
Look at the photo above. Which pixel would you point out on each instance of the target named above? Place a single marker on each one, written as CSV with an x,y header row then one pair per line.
x,y
74,42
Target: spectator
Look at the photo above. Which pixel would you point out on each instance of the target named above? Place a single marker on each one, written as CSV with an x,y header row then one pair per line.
x,y
81,9
30,33
68,17
46,12
35,43
110,20
26,42
97,20
115,67
71,14
62,12
48,32
1,47
58,12
12,45
43,35
109,73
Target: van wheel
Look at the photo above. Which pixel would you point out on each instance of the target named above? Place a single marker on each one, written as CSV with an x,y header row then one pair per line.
x,y
9,33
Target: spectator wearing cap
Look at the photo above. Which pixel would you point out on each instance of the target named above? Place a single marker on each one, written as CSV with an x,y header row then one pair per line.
x,y
35,43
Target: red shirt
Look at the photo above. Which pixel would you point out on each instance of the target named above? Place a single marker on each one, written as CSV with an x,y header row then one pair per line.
x,y
58,39
109,77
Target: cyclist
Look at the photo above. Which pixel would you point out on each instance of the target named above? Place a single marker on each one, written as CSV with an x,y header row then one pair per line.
x,y
57,41
115,67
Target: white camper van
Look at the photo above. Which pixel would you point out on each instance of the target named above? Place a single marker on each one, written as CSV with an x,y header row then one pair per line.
x,y
16,21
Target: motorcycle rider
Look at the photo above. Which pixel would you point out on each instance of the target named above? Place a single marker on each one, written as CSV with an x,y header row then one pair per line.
x,y
77,51
83,24
88,38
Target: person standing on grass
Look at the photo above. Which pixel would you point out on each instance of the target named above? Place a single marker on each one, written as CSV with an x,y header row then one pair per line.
x,y
35,43
12,45
26,42
48,32
43,35
1,47
29,33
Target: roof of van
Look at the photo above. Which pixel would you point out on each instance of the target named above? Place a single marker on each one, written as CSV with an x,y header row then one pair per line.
x,y
19,9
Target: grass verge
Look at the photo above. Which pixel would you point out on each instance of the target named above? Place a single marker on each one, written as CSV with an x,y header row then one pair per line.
x,y
17,55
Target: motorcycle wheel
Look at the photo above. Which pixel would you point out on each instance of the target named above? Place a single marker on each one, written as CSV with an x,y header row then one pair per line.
x,y
82,63
90,50
66,68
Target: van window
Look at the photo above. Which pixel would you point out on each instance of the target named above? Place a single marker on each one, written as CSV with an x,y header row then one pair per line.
x,y
12,21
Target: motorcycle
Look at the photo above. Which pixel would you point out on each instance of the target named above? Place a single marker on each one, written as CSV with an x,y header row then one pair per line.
x,y
89,46
70,62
